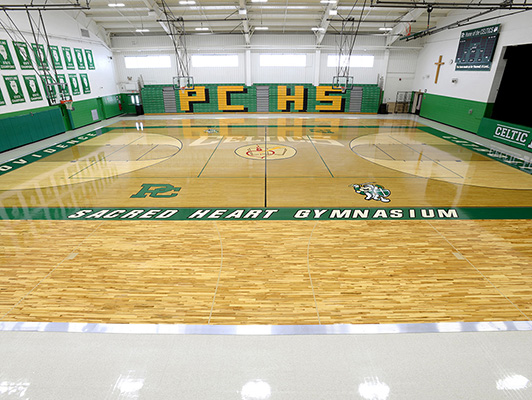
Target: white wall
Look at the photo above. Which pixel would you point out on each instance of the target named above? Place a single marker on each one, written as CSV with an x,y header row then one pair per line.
x,y
401,72
402,63
471,85
62,30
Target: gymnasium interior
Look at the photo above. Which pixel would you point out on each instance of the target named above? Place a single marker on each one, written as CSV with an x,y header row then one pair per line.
x,y
265,199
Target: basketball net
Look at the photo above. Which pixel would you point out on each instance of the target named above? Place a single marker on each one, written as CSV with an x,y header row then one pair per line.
x,y
69,104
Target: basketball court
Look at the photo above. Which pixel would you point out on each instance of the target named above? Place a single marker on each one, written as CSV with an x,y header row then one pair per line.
x,y
277,220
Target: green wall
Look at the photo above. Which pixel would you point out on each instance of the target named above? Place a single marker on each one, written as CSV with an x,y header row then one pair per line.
x,y
463,114
204,98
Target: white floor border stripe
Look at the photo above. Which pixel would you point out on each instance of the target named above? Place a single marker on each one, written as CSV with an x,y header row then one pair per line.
x,y
339,329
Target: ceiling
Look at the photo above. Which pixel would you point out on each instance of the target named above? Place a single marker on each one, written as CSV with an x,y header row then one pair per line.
x,y
240,17
252,17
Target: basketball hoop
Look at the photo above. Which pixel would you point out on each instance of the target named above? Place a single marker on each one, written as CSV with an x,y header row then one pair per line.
x,y
69,104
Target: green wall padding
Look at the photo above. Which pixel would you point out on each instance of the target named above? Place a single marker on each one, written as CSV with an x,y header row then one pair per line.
x,y
27,126
30,127
463,114
110,107
128,105
508,133
83,113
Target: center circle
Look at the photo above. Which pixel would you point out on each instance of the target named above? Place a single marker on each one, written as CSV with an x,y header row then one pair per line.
x,y
269,151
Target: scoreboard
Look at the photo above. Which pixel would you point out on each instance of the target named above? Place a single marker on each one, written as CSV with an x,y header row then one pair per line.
x,y
476,48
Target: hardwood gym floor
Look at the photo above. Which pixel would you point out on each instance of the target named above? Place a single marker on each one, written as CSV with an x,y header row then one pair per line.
x,y
72,251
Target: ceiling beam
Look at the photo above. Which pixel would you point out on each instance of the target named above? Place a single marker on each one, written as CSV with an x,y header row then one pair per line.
x,y
152,5
455,6
245,23
324,24
42,7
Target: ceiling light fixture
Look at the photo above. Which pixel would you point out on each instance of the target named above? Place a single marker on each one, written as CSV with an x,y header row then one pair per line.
x,y
333,12
142,30
259,1
116,5
328,1
187,2
242,11
385,29
319,29
261,28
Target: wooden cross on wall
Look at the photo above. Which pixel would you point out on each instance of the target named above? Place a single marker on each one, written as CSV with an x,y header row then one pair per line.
x,y
439,64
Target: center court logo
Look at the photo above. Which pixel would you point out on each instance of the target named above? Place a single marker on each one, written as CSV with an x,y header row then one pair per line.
x,y
270,151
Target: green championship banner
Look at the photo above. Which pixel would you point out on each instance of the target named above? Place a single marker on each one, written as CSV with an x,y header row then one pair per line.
x,y
56,58
2,100
14,90
90,59
40,56
32,87
6,60
80,61
85,83
517,136
62,79
48,91
23,55
67,55
74,84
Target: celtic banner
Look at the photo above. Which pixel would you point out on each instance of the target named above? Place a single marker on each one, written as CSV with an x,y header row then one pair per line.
x,y
85,83
33,87
90,59
67,54
79,58
6,60
23,55
56,58
40,56
74,84
14,90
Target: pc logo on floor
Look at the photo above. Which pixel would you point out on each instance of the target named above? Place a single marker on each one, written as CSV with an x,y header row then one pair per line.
x,y
372,191
156,190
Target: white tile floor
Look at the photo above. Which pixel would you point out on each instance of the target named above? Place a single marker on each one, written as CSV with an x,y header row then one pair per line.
x,y
363,364
61,366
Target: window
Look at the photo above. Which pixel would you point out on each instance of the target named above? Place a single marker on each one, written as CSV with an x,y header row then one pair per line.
x,y
283,60
147,62
214,61
354,61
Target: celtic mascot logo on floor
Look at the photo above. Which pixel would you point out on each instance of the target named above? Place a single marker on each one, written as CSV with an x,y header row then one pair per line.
x,y
372,191
261,151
